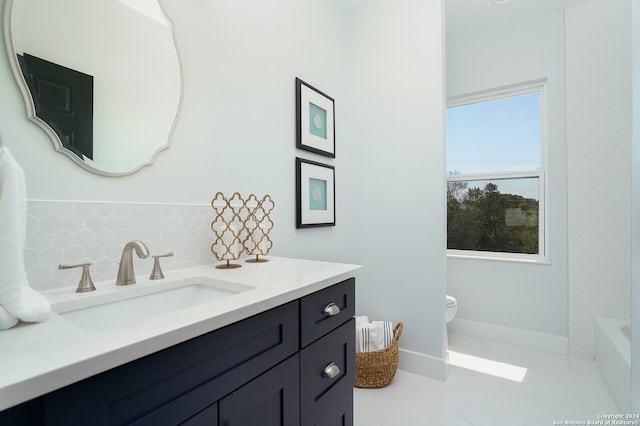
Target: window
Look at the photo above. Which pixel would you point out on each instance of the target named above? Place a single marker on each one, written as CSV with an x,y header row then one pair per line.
x,y
495,179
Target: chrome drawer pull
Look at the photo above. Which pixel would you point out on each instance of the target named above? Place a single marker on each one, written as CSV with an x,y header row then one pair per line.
x,y
331,309
331,371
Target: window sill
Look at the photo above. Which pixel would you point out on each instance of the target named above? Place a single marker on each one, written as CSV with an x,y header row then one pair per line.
x,y
498,257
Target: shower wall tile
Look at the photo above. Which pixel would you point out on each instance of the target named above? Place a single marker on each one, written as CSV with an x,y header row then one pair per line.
x,y
61,232
598,84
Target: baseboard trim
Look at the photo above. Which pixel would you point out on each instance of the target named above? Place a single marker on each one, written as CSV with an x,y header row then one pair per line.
x,y
514,336
424,365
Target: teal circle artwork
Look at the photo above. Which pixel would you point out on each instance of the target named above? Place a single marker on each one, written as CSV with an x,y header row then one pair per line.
x,y
317,121
317,194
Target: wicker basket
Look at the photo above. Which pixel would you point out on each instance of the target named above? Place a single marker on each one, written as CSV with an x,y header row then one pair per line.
x,y
376,369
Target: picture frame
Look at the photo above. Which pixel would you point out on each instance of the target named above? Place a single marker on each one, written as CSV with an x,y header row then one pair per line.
x,y
315,120
315,194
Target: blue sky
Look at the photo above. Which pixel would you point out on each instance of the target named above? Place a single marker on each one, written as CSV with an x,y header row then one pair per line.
x,y
497,135
501,135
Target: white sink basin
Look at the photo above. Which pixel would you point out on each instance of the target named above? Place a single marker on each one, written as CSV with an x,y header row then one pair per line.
x,y
114,307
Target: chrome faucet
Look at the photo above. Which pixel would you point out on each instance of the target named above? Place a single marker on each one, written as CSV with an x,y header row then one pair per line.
x,y
125,272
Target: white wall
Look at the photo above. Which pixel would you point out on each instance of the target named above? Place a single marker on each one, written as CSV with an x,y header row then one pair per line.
x,y
635,209
236,132
598,63
396,92
530,297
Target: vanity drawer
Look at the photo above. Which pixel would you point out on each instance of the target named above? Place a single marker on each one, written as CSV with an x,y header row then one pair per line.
x,y
324,310
327,377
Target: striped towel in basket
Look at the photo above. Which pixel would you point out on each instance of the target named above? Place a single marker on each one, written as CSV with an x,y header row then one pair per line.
x,y
374,335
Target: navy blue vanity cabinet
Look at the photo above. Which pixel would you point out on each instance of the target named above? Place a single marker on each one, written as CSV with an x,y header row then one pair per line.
x,y
327,355
292,365
320,392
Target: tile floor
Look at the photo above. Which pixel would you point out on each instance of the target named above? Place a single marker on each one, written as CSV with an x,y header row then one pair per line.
x,y
536,389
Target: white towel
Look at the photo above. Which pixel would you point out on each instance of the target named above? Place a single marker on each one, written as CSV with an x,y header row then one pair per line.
x,y
16,296
362,321
6,319
374,335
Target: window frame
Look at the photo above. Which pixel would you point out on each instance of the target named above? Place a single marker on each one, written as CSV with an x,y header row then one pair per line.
x,y
540,87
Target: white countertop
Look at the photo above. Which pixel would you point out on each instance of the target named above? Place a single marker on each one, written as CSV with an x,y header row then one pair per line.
x,y
38,358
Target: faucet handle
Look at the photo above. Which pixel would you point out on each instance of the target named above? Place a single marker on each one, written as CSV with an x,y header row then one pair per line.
x,y
156,273
86,284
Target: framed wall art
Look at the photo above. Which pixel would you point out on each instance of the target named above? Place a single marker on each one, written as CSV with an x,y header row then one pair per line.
x,y
315,120
315,194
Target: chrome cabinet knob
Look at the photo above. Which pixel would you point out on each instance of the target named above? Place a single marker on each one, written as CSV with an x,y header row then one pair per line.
x,y
331,371
86,284
331,309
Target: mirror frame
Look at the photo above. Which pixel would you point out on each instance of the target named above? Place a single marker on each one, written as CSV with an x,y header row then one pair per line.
x,y
31,110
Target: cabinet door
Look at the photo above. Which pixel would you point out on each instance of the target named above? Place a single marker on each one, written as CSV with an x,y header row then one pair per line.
x,y
26,414
270,399
327,376
206,417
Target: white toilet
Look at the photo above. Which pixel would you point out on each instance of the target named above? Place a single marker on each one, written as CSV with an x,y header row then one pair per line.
x,y
452,307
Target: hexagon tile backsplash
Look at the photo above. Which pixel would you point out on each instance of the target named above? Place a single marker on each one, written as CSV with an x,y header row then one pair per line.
x,y
77,232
